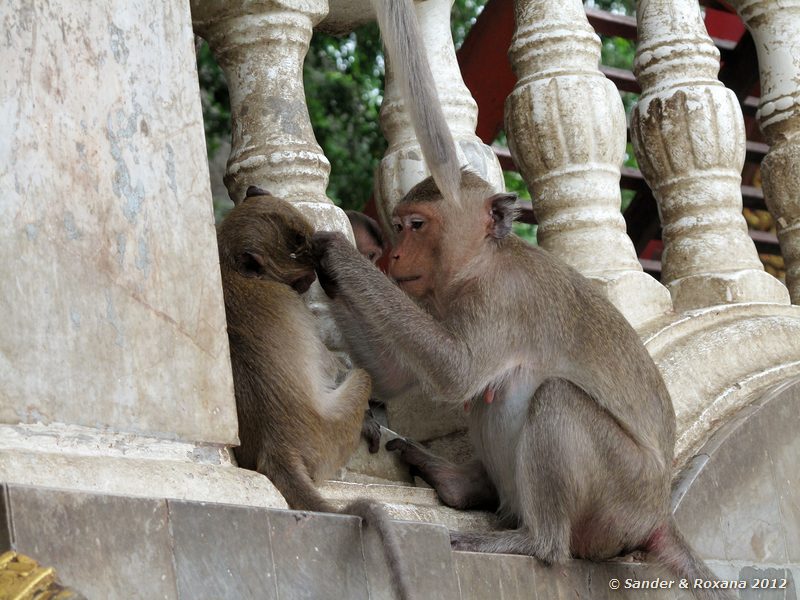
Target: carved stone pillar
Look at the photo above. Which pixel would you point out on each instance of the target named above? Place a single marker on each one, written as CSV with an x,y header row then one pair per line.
x,y
566,128
688,134
775,27
261,47
403,167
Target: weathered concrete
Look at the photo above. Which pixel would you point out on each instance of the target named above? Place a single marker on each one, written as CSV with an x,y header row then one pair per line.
x,y
739,499
688,133
774,26
718,360
114,547
112,297
566,130
114,367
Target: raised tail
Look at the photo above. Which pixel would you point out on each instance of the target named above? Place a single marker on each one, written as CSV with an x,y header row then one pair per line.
x,y
669,548
404,45
374,515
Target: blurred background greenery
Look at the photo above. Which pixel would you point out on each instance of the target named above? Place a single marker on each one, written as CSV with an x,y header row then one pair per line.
x,y
343,79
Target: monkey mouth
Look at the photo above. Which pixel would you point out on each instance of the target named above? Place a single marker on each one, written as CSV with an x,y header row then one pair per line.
x,y
407,279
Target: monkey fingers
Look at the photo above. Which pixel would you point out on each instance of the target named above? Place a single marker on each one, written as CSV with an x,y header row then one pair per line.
x,y
321,243
371,431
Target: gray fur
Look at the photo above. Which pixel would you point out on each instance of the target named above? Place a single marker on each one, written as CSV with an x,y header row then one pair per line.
x,y
404,44
576,448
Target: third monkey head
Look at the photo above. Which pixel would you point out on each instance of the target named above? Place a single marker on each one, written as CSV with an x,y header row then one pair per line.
x,y
368,235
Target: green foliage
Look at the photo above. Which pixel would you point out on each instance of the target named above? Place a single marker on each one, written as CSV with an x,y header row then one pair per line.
x,y
213,98
622,7
463,16
527,232
343,78
617,52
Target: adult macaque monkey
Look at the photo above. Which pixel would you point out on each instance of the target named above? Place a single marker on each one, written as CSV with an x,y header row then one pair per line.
x,y
571,422
368,235
300,413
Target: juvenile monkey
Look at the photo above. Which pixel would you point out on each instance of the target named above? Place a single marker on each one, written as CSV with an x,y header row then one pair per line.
x,y
299,414
575,447
368,235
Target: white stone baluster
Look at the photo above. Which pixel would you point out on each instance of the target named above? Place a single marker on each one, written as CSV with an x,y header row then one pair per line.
x,y
776,31
261,48
688,133
566,128
402,166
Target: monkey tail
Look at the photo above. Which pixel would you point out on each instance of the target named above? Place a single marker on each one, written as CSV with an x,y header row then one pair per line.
x,y
295,484
668,547
405,48
297,487
374,515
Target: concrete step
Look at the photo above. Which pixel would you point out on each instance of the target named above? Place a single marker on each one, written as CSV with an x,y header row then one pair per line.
x,y
109,547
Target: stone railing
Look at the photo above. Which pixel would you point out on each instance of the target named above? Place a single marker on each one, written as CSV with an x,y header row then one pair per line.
x,y
720,327
114,366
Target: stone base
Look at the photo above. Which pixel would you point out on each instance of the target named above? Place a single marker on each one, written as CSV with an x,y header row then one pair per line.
x,y
718,360
636,294
700,291
88,460
116,547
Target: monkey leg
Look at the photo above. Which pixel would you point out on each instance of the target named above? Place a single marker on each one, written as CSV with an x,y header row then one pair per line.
x,y
465,486
347,416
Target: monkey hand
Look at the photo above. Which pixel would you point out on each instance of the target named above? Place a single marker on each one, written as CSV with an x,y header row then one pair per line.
x,y
322,244
371,432
411,453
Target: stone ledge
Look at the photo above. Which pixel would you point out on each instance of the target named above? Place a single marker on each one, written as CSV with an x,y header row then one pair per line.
x,y
147,548
115,463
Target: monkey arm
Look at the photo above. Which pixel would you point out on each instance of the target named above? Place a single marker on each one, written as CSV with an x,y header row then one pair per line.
x,y
389,377
441,360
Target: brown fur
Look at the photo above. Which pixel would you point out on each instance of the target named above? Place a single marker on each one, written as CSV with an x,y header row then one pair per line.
x,y
300,413
296,422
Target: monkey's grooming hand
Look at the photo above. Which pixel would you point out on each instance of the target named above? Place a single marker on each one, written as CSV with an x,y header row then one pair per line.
x,y
371,431
412,453
323,244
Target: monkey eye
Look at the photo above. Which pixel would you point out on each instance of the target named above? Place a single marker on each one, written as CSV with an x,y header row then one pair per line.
x,y
371,256
417,224
397,226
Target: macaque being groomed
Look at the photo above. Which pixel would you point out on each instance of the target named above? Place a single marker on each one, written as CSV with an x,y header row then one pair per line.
x,y
572,425
368,235
300,414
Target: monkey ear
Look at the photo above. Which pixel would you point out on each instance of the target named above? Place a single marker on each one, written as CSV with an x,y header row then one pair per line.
x,y
250,264
503,210
254,190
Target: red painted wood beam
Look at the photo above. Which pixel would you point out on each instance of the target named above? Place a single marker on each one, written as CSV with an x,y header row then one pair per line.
x,y
484,63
